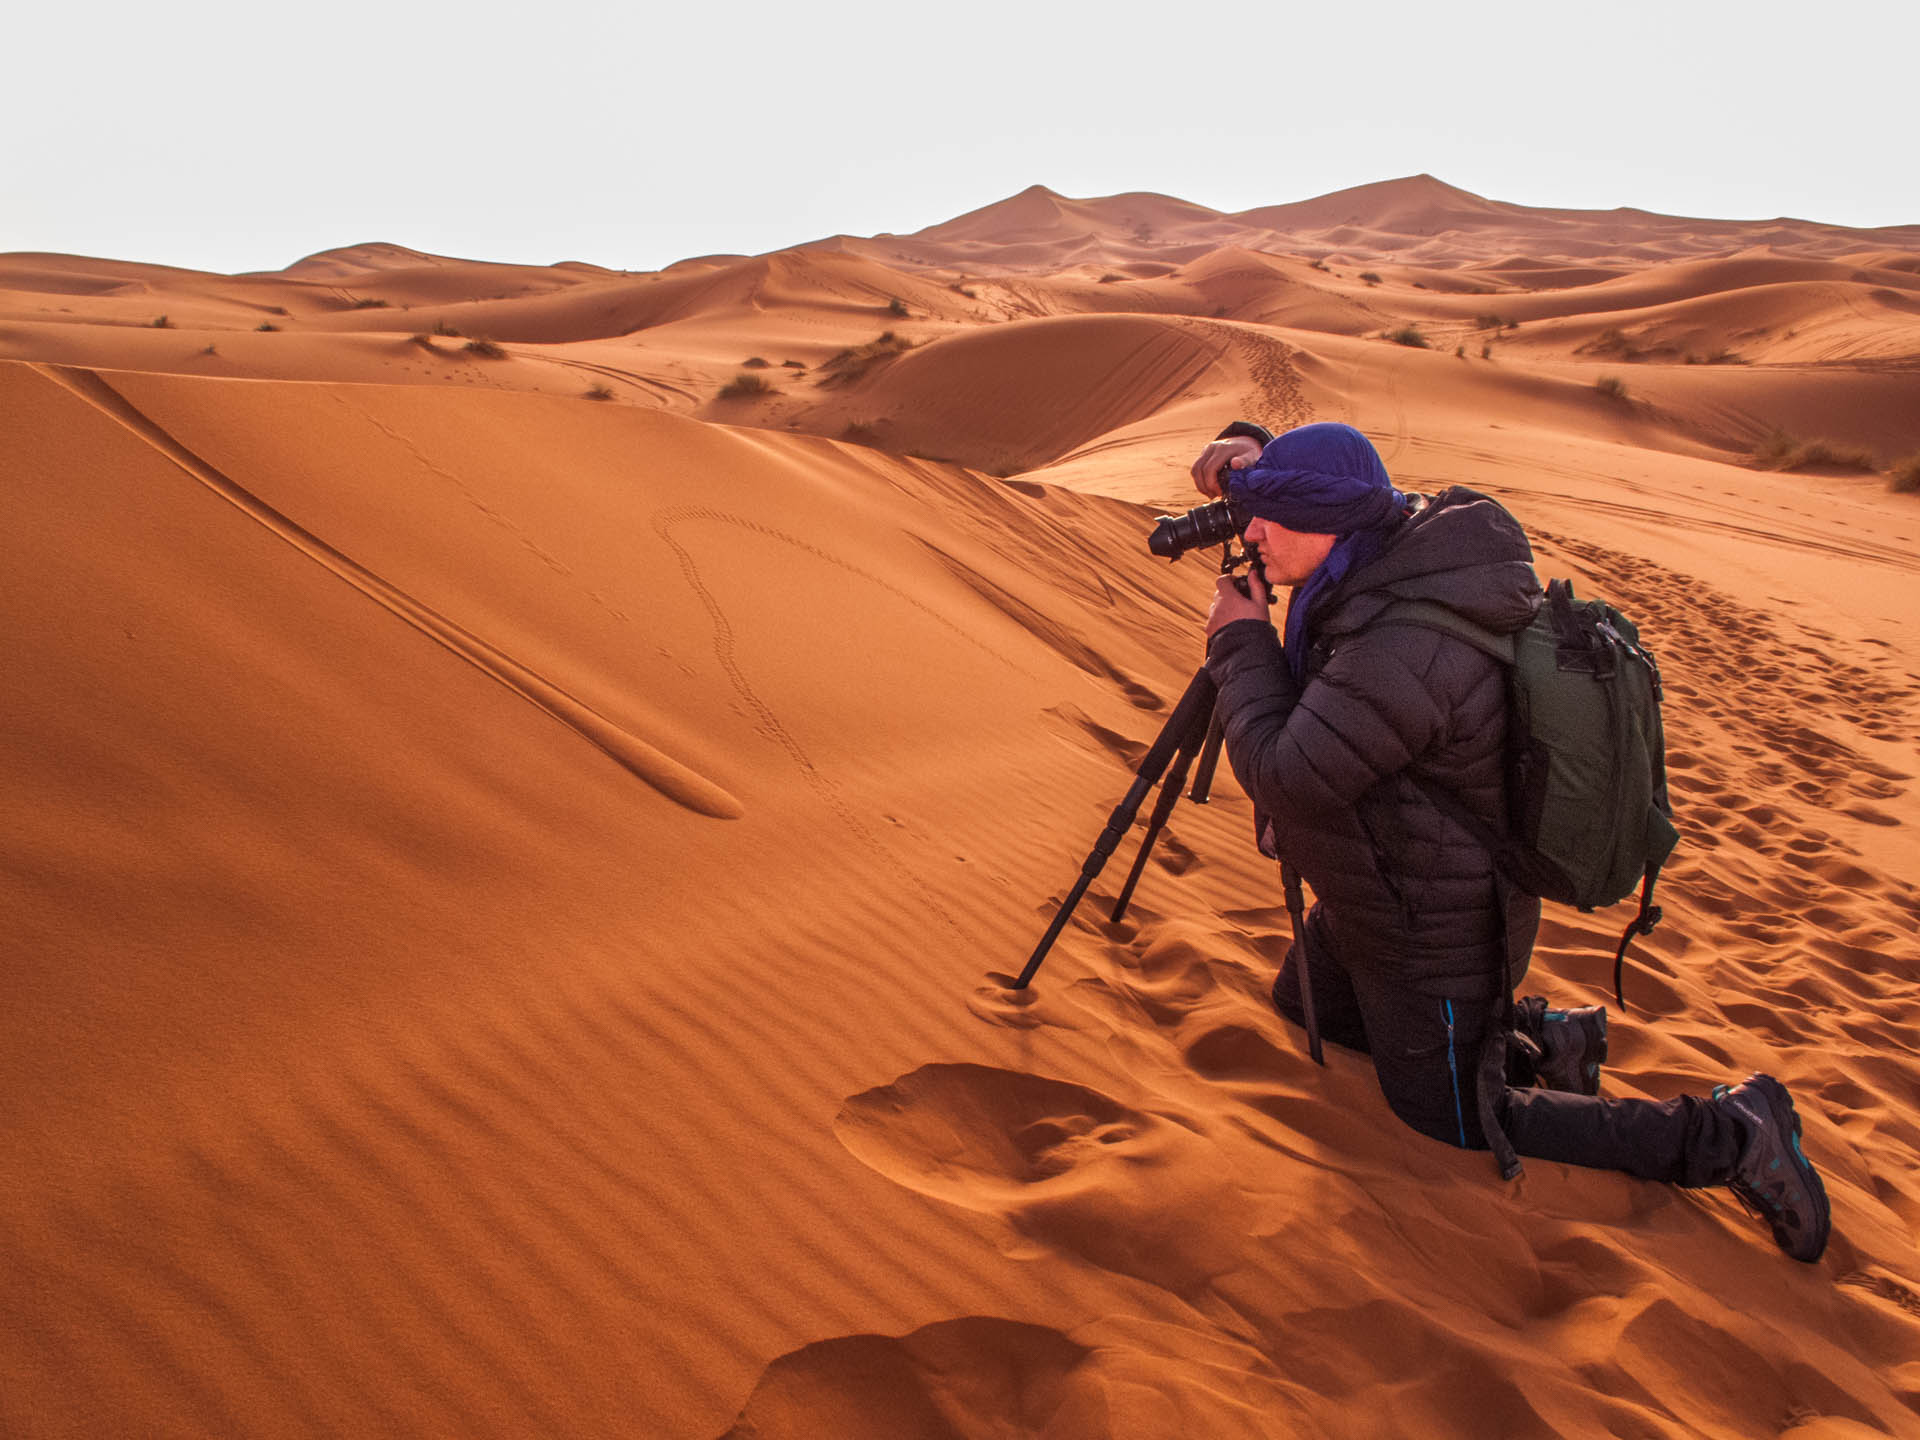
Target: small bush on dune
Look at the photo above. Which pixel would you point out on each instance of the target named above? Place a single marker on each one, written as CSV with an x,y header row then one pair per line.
x,y
370,304
1904,478
266,325
161,322
1611,386
793,365
422,339
599,392
850,364
441,327
1369,277
746,387
1459,352
1408,335
1489,322
1486,352
753,362
485,349
858,432
897,306
1780,451
210,350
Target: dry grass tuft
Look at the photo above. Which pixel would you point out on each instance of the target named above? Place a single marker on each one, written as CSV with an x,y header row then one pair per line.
x,y
1611,386
599,392
746,387
1409,335
1780,451
485,349
850,365
1904,478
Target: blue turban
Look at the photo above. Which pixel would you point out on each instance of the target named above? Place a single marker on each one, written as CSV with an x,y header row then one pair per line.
x,y
1321,480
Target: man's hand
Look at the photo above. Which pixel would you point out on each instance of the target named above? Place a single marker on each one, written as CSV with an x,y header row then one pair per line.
x,y
1230,605
1235,453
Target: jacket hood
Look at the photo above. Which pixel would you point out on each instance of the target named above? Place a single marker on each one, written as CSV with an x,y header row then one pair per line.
x,y
1463,551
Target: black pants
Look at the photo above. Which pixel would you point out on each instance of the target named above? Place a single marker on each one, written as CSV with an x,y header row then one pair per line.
x,y
1426,1054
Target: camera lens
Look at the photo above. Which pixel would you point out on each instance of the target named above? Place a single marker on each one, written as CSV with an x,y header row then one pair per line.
x,y
1215,524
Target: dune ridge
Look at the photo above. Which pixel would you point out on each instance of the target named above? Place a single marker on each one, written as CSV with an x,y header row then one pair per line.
x,y
379,1059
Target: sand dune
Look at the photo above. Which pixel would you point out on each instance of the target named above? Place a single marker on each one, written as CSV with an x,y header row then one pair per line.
x,y
513,855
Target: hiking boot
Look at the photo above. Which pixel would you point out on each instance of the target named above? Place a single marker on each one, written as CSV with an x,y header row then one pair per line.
x,y
1772,1178
1571,1044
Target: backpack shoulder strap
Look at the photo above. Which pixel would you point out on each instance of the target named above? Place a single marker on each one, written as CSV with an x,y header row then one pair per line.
x,y
1430,615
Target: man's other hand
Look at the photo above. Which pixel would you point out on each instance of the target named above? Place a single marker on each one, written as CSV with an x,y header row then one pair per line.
x,y
1230,605
1236,453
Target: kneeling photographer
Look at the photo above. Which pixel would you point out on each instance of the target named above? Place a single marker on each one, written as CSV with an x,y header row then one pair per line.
x,y
1342,732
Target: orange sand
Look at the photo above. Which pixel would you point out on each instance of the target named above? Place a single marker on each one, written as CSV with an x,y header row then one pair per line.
x,y
505,890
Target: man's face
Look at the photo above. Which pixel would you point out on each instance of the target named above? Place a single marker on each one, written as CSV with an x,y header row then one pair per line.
x,y
1287,556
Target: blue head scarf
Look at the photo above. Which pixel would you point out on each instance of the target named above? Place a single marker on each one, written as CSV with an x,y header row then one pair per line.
x,y
1321,480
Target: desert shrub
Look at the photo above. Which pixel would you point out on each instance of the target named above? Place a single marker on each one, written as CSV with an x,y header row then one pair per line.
x,y
1513,324
1611,386
858,432
1409,335
1780,451
793,365
1459,352
276,310
1904,478
485,349
897,306
369,303
1369,277
1486,352
599,392
210,350
1316,265
266,325
441,327
1489,321
161,322
850,364
745,387
753,362
422,339
1839,457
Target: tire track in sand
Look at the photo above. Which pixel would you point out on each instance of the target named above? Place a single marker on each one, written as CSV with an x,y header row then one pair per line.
x,y
646,761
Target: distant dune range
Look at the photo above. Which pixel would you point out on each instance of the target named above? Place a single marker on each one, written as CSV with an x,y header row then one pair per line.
x,y
520,780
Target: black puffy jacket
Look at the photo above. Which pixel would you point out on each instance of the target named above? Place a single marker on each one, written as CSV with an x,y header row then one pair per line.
x,y
1407,891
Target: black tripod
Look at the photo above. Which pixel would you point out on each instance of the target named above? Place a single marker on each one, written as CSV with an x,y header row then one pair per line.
x,y
1192,730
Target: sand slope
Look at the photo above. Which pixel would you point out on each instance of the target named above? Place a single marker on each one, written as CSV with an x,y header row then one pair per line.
x,y
507,888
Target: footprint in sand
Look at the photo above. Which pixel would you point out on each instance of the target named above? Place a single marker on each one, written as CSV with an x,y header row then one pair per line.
x,y
1072,1170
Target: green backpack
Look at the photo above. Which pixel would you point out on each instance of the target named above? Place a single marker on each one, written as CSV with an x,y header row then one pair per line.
x,y
1589,820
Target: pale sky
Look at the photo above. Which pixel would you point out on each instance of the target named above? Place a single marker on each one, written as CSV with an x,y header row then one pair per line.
x,y
226,136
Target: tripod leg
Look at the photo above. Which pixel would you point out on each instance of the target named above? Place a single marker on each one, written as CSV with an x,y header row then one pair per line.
x,y
1169,795
1296,915
1195,703
1209,759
